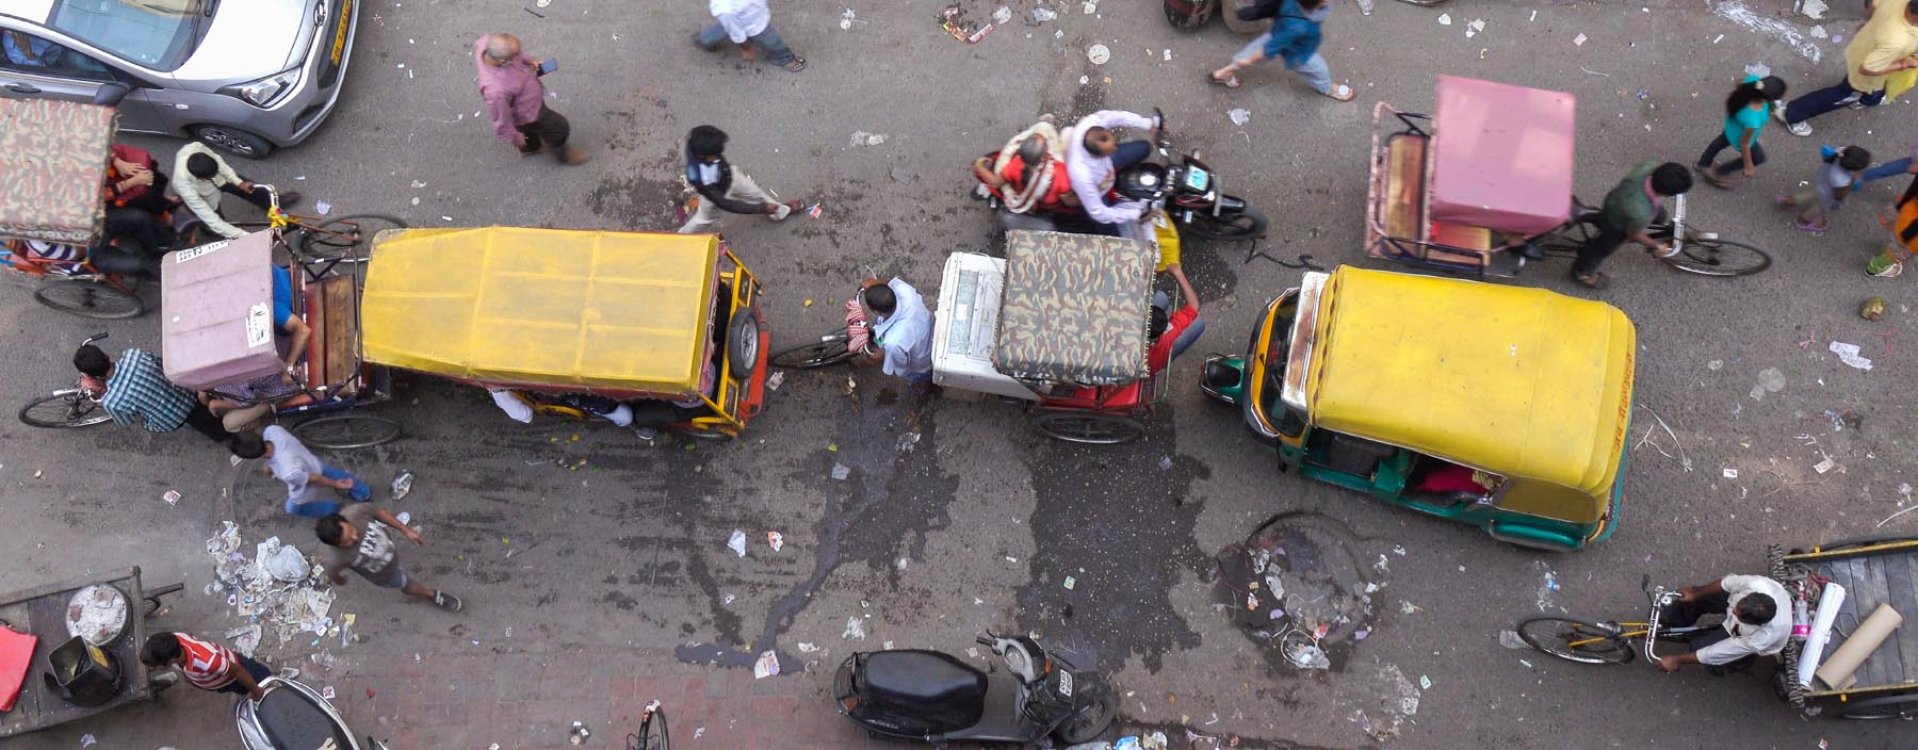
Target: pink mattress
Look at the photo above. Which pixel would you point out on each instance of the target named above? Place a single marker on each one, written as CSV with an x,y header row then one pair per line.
x,y
216,324
1504,155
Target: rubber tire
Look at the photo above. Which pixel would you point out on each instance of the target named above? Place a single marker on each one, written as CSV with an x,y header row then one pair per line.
x,y
98,416
1861,709
316,248
1098,717
665,737
812,355
47,294
1627,650
232,140
1683,260
383,431
1054,425
1250,225
742,343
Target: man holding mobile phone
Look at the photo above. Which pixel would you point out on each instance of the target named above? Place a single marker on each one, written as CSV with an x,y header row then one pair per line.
x,y
516,100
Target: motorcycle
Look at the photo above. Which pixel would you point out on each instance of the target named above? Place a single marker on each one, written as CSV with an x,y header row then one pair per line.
x,y
292,716
934,697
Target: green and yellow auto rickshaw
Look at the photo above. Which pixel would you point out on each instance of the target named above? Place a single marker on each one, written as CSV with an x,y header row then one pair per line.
x,y
1498,406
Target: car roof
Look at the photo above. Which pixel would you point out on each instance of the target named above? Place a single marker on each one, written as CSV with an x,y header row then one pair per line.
x,y
36,11
1516,381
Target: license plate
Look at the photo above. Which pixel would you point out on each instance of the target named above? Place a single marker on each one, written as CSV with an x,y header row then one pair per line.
x,y
1065,683
339,37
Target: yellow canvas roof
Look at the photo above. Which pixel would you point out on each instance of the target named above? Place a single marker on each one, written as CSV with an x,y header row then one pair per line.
x,y
1516,381
610,310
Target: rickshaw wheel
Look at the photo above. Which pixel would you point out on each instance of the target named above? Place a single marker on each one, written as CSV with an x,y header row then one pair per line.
x,y
1553,635
742,343
90,299
62,409
1888,707
344,237
346,431
1090,428
1720,258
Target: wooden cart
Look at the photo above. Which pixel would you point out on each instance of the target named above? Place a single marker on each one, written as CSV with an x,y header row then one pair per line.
x,y
41,612
1873,571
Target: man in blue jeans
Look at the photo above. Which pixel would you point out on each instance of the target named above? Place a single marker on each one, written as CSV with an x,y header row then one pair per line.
x,y
1094,154
302,472
748,23
1885,44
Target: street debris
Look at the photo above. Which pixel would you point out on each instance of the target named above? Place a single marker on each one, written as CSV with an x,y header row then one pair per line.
x,y
1474,28
1849,354
908,441
1445,19
1042,15
1425,683
402,484
279,591
1547,587
1764,23
87,740
1684,461
807,648
1826,465
1873,309
1579,41
1731,473
775,540
737,543
172,497
848,18
1098,54
841,471
855,628
1770,380
862,138
1511,639
1812,9
1070,582
1240,116
767,666
579,733
1003,15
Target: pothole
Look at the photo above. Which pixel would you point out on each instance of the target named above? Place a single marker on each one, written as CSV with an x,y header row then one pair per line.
x,y
1302,590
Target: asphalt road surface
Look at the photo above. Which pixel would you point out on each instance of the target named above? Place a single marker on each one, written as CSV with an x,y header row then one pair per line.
x,y
574,545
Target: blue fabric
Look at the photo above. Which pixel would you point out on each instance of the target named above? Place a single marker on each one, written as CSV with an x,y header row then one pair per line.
x,y
282,297
138,388
360,493
1188,337
1296,35
1891,168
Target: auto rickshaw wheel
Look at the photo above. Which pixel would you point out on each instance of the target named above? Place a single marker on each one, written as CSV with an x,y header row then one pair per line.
x,y
742,343
1888,707
1089,428
1575,640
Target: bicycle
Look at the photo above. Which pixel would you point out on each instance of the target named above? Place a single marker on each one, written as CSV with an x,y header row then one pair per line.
x,y
67,407
1699,252
650,736
1610,642
336,240
75,285
830,348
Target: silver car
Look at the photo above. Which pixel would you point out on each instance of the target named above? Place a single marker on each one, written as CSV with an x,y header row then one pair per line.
x,y
246,76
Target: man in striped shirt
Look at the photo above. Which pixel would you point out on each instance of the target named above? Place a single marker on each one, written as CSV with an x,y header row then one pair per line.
x,y
208,666
136,387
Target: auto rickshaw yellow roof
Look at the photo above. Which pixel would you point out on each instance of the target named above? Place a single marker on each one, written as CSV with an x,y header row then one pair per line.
x,y
1516,381
554,307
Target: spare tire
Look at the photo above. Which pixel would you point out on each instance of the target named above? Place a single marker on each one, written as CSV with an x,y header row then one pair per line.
x,y
742,343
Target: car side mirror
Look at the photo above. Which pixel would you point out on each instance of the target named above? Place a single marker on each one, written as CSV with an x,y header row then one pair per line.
x,y
110,94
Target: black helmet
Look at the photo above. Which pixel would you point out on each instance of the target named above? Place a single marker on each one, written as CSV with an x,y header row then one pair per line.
x,y
1140,181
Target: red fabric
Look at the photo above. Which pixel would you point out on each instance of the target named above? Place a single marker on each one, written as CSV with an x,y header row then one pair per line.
x,y
16,655
135,155
1054,198
1450,478
206,663
1160,354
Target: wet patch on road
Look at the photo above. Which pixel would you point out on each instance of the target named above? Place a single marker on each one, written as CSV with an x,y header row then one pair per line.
x,y
1302,590
1113,531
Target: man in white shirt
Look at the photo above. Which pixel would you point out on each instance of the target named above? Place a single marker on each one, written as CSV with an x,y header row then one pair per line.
x,y
748,23
200,176
901,330
1757,614
1094,154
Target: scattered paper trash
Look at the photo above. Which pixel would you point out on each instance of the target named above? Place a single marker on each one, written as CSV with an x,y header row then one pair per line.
x,y
1365,7
778,378
841,471
855,628
1098,54
402,484
1070,582
1826,465
172,497
579,733
87,740
1579,41
327,692
862,138
767,666
1240,116
1425,683
775,540
1042,15
1770,380
1848,354
1813,9
1512,640
737,543
1472,29
323,207
1445,19
807,648
1818,32
1002,15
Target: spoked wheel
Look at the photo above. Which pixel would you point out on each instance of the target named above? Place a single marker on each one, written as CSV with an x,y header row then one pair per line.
x,y
1091,720
1888,707
1571,639
89,298
64,408
1088,427
1720,258
829,349
652,734
346,238
346,431
1245,225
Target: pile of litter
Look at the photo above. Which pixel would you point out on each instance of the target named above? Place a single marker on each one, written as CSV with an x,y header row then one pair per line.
x,y
278,591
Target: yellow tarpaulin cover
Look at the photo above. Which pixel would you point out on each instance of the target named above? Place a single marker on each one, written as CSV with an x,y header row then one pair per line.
x,y
610,310
1516,381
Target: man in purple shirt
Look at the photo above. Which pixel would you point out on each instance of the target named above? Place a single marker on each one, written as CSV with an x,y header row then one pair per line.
x,y
516,100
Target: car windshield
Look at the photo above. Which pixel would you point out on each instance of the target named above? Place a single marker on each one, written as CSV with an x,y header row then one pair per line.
x,y
157,34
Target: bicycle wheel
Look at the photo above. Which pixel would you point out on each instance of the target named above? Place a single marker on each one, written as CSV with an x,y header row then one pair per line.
x,y
347,237
90,299
829,349
64,408
1572,639
346,431
1720,258
652,734
1088,428
1244,225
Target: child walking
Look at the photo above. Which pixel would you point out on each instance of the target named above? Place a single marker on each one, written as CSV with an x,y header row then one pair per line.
x,y
1843,170
1746,110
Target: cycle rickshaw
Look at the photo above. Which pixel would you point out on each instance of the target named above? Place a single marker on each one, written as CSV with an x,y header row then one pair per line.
x,y
1467,188
53,162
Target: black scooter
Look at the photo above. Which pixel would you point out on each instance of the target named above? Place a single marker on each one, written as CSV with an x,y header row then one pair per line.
x,y
934,697
293,716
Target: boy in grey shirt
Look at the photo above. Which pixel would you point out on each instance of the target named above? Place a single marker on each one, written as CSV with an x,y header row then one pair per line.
x,y
357,537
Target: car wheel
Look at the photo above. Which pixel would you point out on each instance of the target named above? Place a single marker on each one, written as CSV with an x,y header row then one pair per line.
x,y
233,141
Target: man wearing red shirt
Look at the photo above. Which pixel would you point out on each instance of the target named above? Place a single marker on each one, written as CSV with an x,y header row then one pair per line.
x,y
208,666
1172,335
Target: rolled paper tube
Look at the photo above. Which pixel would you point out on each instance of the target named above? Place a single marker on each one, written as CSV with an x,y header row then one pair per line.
x,y
1867,638
1828,605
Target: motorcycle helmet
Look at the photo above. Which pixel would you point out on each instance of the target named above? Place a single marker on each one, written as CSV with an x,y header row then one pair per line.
x,y
1140,181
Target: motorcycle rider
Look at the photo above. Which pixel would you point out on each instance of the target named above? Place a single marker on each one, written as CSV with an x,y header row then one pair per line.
x,y
1094,154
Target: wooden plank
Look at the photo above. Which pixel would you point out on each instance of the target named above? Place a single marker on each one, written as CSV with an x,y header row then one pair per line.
x,y
1901,575
1405,187
1880,667
342,325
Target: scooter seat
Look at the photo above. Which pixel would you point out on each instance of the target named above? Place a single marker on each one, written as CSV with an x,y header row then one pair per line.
x,y
930,684
292,721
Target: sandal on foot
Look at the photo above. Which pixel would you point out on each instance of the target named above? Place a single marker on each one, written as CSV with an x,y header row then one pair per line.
x,y
1342,93
797,64
1593,280
1711,176
1231,80
1783,202
447,601
1817,226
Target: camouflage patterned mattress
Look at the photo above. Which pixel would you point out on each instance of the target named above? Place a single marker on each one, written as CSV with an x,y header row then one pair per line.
x,y
1075,308
53,162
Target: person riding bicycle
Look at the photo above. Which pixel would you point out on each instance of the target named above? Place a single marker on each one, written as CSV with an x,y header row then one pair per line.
x,y
1757,613
202,177
1629,209
888,322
